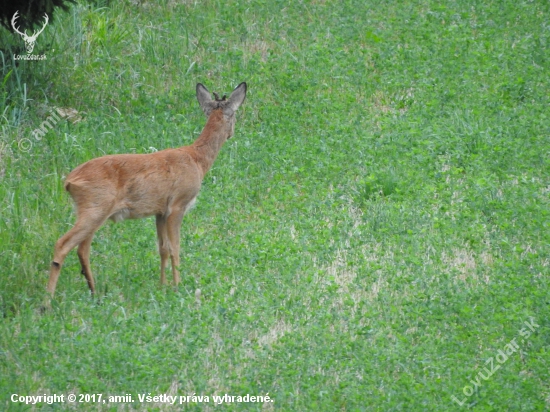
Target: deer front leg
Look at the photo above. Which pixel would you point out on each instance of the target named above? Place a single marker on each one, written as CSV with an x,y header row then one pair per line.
x,y
174,228
164,246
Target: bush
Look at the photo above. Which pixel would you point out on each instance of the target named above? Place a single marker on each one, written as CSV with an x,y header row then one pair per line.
x,y
31,12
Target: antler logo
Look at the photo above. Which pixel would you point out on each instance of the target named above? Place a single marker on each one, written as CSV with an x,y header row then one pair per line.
x,y
29,40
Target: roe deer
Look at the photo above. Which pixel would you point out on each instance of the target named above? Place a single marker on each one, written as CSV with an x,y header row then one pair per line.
x,y
132,186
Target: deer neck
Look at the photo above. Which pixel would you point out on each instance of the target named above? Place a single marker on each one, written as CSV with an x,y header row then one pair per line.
x,y
210,141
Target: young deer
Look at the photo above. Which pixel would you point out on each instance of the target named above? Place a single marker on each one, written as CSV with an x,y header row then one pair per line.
x,y
132,186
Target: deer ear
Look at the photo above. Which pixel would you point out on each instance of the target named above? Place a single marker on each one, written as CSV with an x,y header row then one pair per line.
x,y
237,96
204,98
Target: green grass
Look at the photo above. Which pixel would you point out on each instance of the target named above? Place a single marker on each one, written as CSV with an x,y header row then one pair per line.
x,y
375,231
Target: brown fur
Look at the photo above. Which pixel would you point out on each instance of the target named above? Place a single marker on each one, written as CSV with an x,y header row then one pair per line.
x,y
132,186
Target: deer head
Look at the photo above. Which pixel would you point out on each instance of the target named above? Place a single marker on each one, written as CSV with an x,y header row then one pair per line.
x,y
29,40
228,106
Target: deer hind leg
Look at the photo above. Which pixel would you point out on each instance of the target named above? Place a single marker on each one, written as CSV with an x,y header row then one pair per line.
x,y
84,257
82,231
164,246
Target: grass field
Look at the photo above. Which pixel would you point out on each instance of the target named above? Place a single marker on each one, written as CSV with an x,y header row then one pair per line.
x,y
375,237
